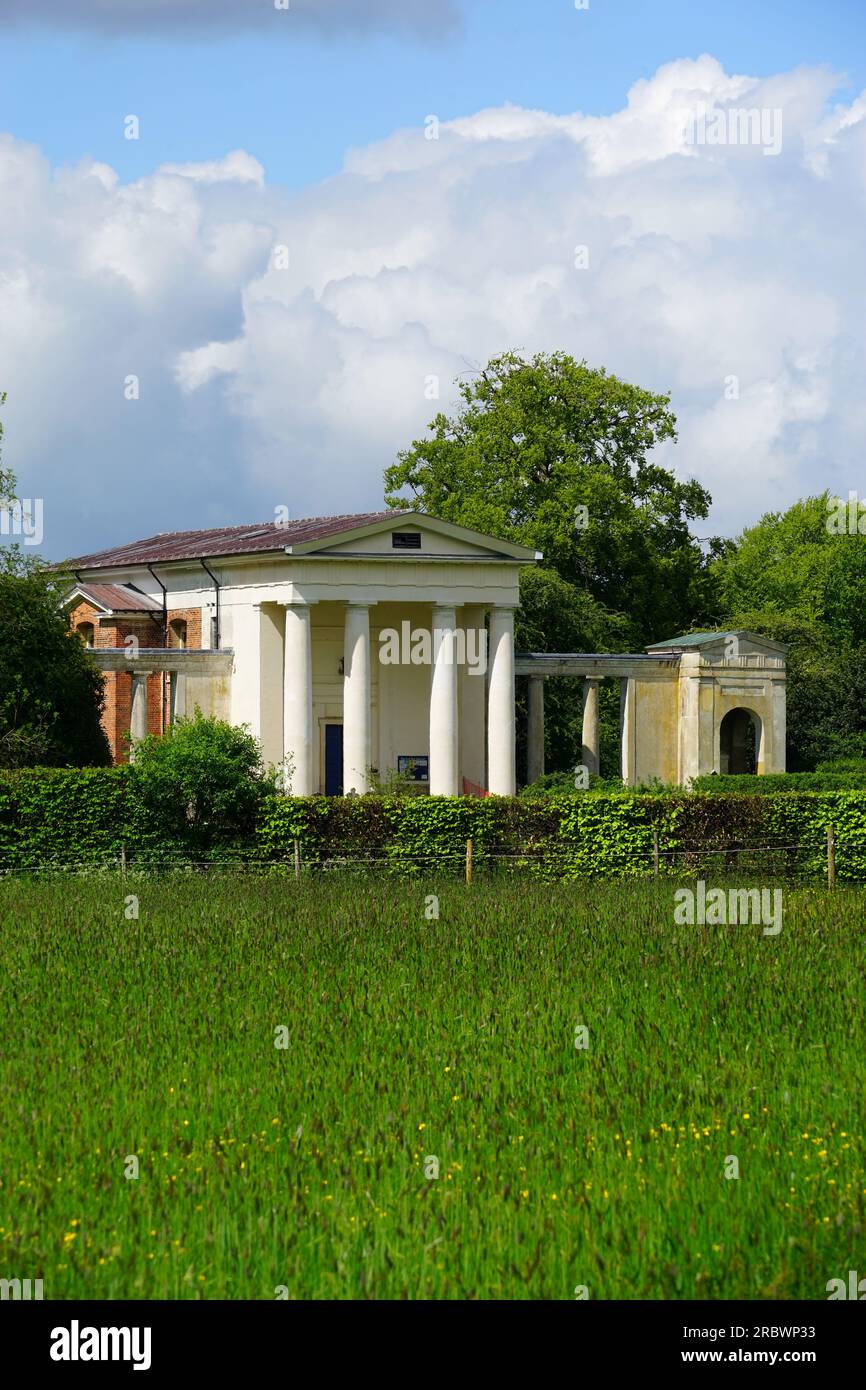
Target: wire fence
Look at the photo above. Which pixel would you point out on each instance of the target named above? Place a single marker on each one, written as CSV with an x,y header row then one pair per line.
x,y
811,861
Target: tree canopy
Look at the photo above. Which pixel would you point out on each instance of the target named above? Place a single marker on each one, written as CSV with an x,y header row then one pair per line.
x,y
794,578
50,691
555,454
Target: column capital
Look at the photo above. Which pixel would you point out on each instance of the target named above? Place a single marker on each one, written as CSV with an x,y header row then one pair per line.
x,y
292,603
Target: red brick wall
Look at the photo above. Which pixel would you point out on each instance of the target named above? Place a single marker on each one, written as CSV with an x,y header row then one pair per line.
x,y
111,632
192,618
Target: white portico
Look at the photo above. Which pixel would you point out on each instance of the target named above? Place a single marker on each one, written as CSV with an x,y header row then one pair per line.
x,y
358,644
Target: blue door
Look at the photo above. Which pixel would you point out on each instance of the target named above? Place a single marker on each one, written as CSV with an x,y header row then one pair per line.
x,y
333,760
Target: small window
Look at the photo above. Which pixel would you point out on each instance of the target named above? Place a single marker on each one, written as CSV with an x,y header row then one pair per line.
x,y
406,540
177,633
85,632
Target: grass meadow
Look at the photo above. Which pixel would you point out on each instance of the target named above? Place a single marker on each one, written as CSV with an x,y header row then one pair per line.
x,y
307,1170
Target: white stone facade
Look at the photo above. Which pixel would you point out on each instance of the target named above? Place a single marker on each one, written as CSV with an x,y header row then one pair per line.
x,y
314,635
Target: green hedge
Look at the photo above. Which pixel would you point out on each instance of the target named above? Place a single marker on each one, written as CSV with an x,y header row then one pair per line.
x,y
63,815
88,816
70,816
574,836
773,782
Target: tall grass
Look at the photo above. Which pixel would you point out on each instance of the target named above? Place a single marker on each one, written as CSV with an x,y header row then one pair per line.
x,y
412,1038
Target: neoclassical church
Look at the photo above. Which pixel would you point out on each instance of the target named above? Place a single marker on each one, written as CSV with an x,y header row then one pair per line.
x,y
362,648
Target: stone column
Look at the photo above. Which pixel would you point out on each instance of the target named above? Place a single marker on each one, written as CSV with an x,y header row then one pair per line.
x,y
689,732
627,730
178,696
502,779
298,750
138,714
444,770
357,726
779,733
589,735
535,730
472,691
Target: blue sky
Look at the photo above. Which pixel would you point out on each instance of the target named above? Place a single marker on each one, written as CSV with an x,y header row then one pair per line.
x,y
731,279
298,102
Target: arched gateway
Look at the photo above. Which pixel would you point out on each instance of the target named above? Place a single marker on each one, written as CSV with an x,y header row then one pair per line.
x,y
356,648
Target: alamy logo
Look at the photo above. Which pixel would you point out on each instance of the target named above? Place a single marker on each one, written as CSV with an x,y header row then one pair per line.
x,y
76,1343
855,1289
736,125
419,647
20,1288
846,518
738,907
22,517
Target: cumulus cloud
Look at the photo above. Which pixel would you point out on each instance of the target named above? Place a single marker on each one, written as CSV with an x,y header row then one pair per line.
x,y
288,345
198,18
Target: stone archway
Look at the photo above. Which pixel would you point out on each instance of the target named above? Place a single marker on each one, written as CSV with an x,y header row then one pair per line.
x,y
740,742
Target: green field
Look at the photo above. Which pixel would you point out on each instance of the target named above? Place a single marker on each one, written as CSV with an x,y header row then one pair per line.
x,y
409,1039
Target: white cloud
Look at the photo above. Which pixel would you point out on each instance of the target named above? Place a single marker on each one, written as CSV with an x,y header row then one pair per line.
x,y
238,166
263,386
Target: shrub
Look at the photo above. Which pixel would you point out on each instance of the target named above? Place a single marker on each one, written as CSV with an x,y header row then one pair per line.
x,y
202,780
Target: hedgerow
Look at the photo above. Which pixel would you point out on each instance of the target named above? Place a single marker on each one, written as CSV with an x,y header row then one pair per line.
x,y
92,816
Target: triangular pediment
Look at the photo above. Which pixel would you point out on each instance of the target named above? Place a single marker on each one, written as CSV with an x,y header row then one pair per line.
x,y
711,645
414,535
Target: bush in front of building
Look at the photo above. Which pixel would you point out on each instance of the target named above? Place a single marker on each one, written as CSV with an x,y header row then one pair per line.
x,y
201,782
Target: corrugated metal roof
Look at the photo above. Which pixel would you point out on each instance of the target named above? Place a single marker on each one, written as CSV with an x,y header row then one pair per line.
x,y
226,540
119,598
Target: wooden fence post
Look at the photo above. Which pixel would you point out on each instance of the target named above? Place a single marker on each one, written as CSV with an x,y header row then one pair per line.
x,y
831,857
468,861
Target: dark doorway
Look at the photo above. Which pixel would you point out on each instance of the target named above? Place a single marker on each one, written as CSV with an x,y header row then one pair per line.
x,y
739,740
333,760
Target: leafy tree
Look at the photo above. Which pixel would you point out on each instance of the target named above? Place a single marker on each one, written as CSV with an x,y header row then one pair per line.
x,y
532,442
554,454
50,692
792,564
791,578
